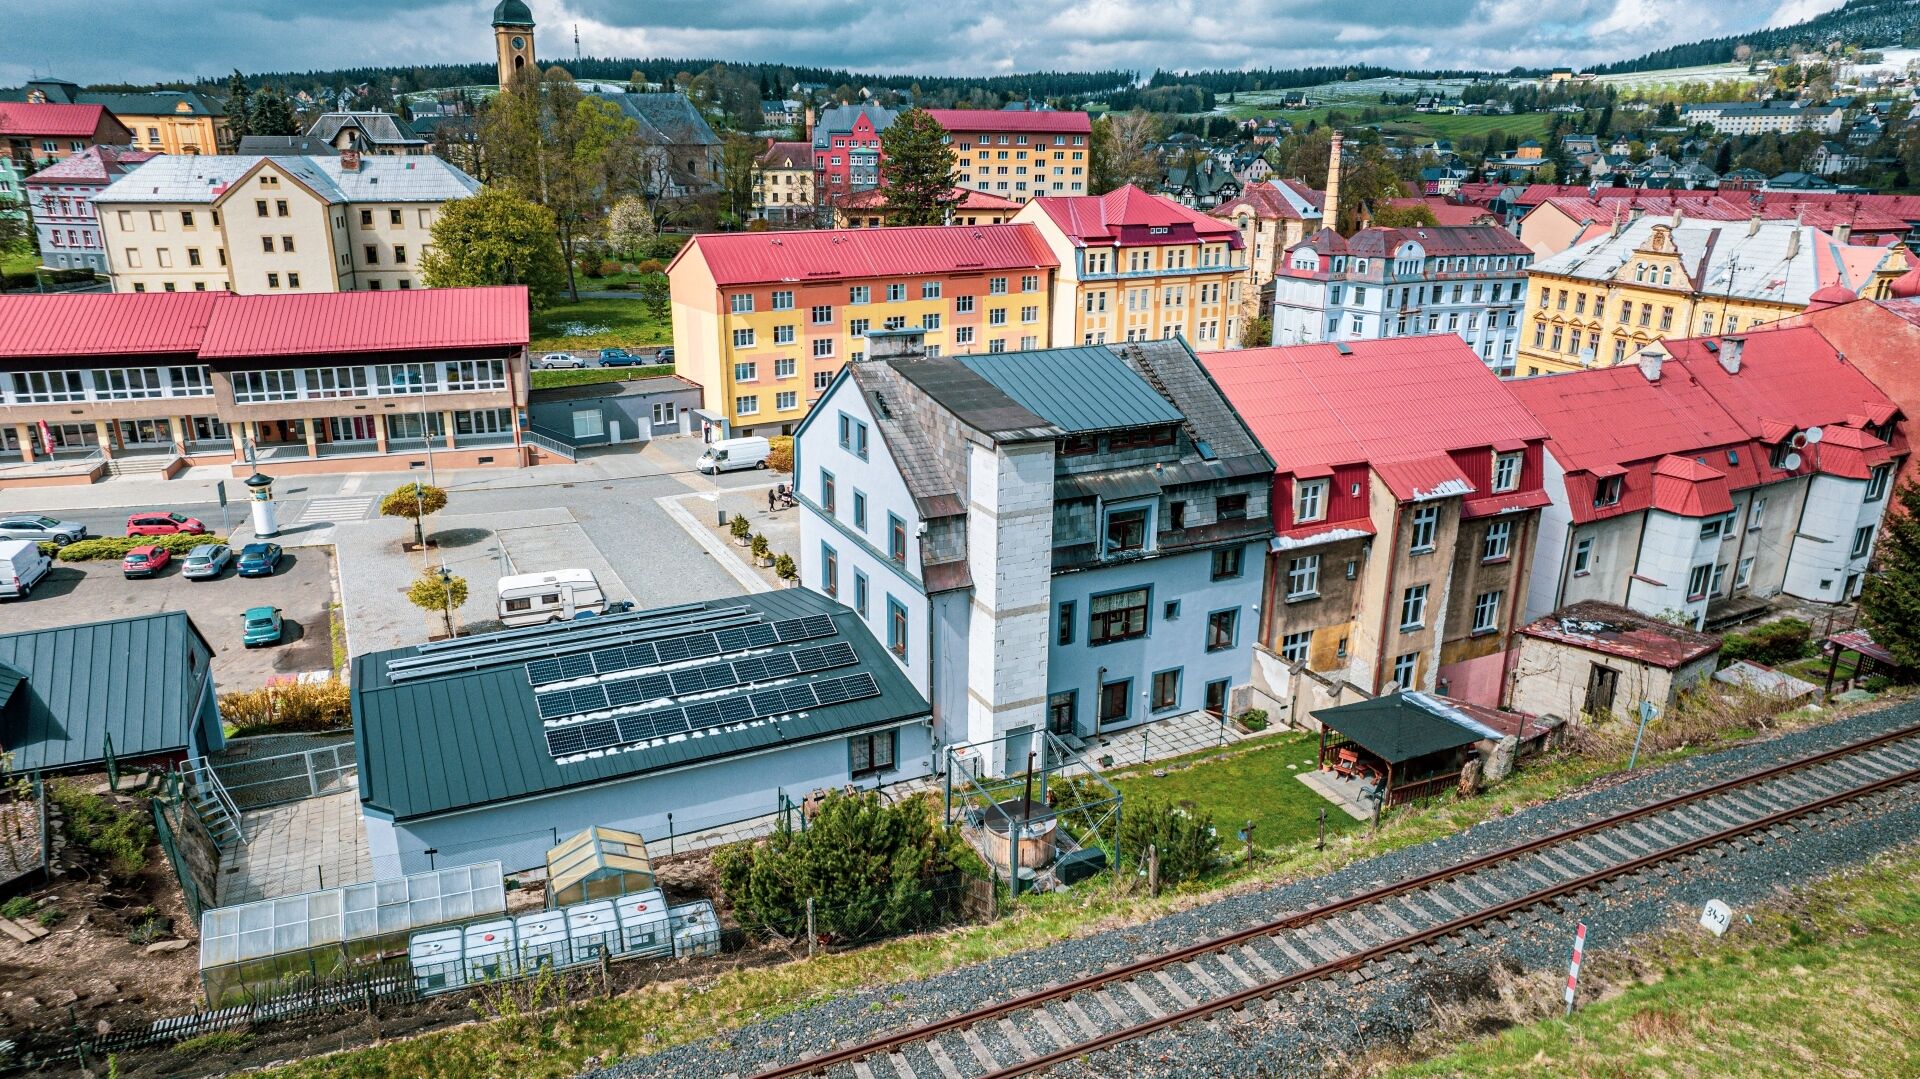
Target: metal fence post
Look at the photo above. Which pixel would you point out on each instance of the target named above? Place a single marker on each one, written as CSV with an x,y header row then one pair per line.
x,y
313,781
811,935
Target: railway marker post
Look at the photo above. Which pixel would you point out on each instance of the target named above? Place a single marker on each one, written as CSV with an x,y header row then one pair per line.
x,y
1573,968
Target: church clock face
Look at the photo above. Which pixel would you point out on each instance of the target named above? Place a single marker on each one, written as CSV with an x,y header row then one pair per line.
x,y
519,43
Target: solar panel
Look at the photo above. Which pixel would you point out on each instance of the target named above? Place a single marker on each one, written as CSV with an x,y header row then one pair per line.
x,y
660,723
600,734
576,666
564,742
611,661
826,657
704,715
736,710
797,697
624,693
544,671
555,704
762,635
733,640
767,702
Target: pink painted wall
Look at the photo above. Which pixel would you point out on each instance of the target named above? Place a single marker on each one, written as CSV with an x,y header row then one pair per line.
x,y
1476,681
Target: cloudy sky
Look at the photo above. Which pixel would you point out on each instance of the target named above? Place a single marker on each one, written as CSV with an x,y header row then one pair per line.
x,y
148,40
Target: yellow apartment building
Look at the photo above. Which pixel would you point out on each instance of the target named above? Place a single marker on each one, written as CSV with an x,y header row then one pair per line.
x,y
1597,303
763,321
161,122
1018,154
783,182
263,225
1138,267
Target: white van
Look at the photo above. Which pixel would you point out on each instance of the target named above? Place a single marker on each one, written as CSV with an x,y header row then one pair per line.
x,y
528,599
729,454
21,567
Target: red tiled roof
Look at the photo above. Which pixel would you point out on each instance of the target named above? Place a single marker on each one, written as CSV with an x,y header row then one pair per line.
x,y
875,198
1685,486
1268,200
751,258
33,325
1013,121
221,325
1617,631
1383,400
1128,215
1418,479
58,121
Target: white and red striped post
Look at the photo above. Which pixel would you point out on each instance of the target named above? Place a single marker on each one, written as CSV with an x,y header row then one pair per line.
x,y
1573,968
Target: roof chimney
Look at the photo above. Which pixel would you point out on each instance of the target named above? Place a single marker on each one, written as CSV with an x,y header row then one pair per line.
x,y
1753,224
809,123
1330,217
1793,242
1650,359
1843,233
1676,214
1730,350
349,161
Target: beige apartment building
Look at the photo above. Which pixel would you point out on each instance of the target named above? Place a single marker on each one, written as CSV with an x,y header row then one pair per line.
x,y
262,225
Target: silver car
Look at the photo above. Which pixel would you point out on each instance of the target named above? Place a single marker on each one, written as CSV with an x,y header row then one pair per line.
x,y
554,360
29,526
207,561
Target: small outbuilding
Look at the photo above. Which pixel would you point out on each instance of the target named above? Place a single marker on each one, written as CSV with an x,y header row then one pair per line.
x,y
612,413
599,863
1601,659
1394,745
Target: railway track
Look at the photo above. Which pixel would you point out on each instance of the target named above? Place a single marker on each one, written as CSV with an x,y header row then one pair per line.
x,y
1385,930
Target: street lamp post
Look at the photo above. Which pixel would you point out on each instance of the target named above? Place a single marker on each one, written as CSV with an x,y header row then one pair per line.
x,y
446,597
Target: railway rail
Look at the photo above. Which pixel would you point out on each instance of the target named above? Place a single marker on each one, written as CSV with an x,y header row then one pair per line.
x,y
1381,930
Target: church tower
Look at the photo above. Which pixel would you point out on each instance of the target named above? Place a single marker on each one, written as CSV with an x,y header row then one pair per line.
x,y
512,38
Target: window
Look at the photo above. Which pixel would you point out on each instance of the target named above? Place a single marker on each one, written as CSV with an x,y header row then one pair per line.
x,y
664,412
1506,471
1293,647
293,280
896,293
1697,581
743,338
860,593
1117,616
930,290
858,327
1426,523
896,538
1877,482
783,335
1303,577
897,628
820,314
1228,562
1607,491
746,372
742,303
1413,608
1230,507
826,490
783,300
1126,530
1711,528
1309,500
399,251
930,320
786,400
1166,690
393,218
747,405
1499,540
996,286
1486,612
860,294
1862,541
860,510
373,255
829,571
822,347
1756,514
1744,575
1404,668
259,206
1583,557
785,368
997,316
1063,627
870,753
266,244
280,208
273,280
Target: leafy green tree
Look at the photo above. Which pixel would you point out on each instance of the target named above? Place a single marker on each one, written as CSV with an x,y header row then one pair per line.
x,y
239,106
1404,217
271,113
495,238
414,501
738,153
1890,599
916,169
1187,843
871,868
630,225
440,592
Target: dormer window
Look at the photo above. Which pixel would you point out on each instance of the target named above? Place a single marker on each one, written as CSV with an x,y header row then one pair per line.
x,y
1309,500
1506,471
1126,530
1607,491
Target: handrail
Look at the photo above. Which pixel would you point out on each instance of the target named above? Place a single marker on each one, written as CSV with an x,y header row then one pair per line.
x,y
200,770
553,442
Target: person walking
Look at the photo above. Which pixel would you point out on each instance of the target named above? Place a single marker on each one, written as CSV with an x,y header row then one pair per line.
x,y
770,499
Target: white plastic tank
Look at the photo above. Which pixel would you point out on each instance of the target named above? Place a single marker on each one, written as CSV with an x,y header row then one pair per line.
x,y
542,939
643,922
696,929
592,928
435,957
490,948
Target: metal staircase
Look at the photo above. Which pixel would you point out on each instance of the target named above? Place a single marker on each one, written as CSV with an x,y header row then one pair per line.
x,y
210,799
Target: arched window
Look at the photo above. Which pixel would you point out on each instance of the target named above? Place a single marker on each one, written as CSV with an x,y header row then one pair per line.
x,y
1666,275
1639,271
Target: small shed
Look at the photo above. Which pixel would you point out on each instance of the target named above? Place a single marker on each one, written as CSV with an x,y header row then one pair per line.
x,y
1602,659
599,863
1396,744
610,413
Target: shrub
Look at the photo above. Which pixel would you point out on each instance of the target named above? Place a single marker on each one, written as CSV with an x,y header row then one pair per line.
x,y
761,547
50,917
215,1041
650,266
607,268
414,501
1254,719
739,526
103,548
1774,642
784,568
120,837
1186,841
301,706
780,453
17,907
1877,683
872,870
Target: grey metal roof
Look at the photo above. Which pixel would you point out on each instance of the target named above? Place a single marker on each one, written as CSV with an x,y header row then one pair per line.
x,y
202,178
974,400
666,118
1395,729
635,387
412,178
1176,373
380,128
1080,389
459,739
129,679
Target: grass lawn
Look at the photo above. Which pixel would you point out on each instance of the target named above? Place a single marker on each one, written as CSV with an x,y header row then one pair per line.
x,y
581,376
1409,124
18,261
1252,782
598,324
1829,985
558,1042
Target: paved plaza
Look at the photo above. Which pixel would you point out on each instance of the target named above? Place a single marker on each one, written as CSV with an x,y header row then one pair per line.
x,y
304,846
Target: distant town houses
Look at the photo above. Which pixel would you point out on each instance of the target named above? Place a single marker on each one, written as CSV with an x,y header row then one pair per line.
x,y
783,183
1272,216
38,134
846,150
683,150
65,220
369,133
870,209
1467,280
1761,117
158,121
1019,154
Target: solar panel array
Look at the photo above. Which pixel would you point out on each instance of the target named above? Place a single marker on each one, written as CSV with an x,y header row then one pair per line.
x,y
706,678
623,731
641,654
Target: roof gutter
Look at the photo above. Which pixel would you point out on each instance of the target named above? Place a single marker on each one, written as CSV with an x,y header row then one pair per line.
x,y
1386,603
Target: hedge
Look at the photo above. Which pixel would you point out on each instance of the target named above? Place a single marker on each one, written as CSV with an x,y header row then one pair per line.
x,y
1773,642
101,548
300,706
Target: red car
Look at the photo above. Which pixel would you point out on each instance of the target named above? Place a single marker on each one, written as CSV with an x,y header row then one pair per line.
x,y
163,524
145,561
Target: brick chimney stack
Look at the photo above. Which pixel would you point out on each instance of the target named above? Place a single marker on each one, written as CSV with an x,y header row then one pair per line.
x,y
1330,216
349,161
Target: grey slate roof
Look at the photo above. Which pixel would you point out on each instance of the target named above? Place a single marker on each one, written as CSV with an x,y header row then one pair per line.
x,y
1175,372
128,679
151,103
203,178
380,128
666,118
471,738
284,144
975,400
1080,389
934,488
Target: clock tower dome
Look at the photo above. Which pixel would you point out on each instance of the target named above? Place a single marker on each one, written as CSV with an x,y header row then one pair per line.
x,y
512,38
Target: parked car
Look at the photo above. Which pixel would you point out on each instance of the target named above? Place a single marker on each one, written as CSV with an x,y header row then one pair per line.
x,y
620,606
151,523
39,529
262,626
207,562
616,357
664,355
145,561
258,560
21,567
554,360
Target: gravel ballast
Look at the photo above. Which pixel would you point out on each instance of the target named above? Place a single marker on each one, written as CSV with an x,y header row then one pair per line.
x,y
1298,1039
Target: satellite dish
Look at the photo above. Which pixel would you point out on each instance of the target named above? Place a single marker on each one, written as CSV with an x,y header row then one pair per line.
x,y
1814,434
1792,462
1799,439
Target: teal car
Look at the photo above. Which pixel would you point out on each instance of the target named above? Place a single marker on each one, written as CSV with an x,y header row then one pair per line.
x,y
263,626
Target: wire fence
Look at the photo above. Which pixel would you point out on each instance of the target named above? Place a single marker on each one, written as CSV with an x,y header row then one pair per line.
x,y
25,839
290,777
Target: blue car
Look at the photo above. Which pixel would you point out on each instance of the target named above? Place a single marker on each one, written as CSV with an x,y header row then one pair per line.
x,y
617,357
258,560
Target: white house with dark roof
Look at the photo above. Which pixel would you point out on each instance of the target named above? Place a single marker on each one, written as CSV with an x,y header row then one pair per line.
x,y
1066,539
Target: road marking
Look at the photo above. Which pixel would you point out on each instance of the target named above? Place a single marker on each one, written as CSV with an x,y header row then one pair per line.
x,y
335,509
